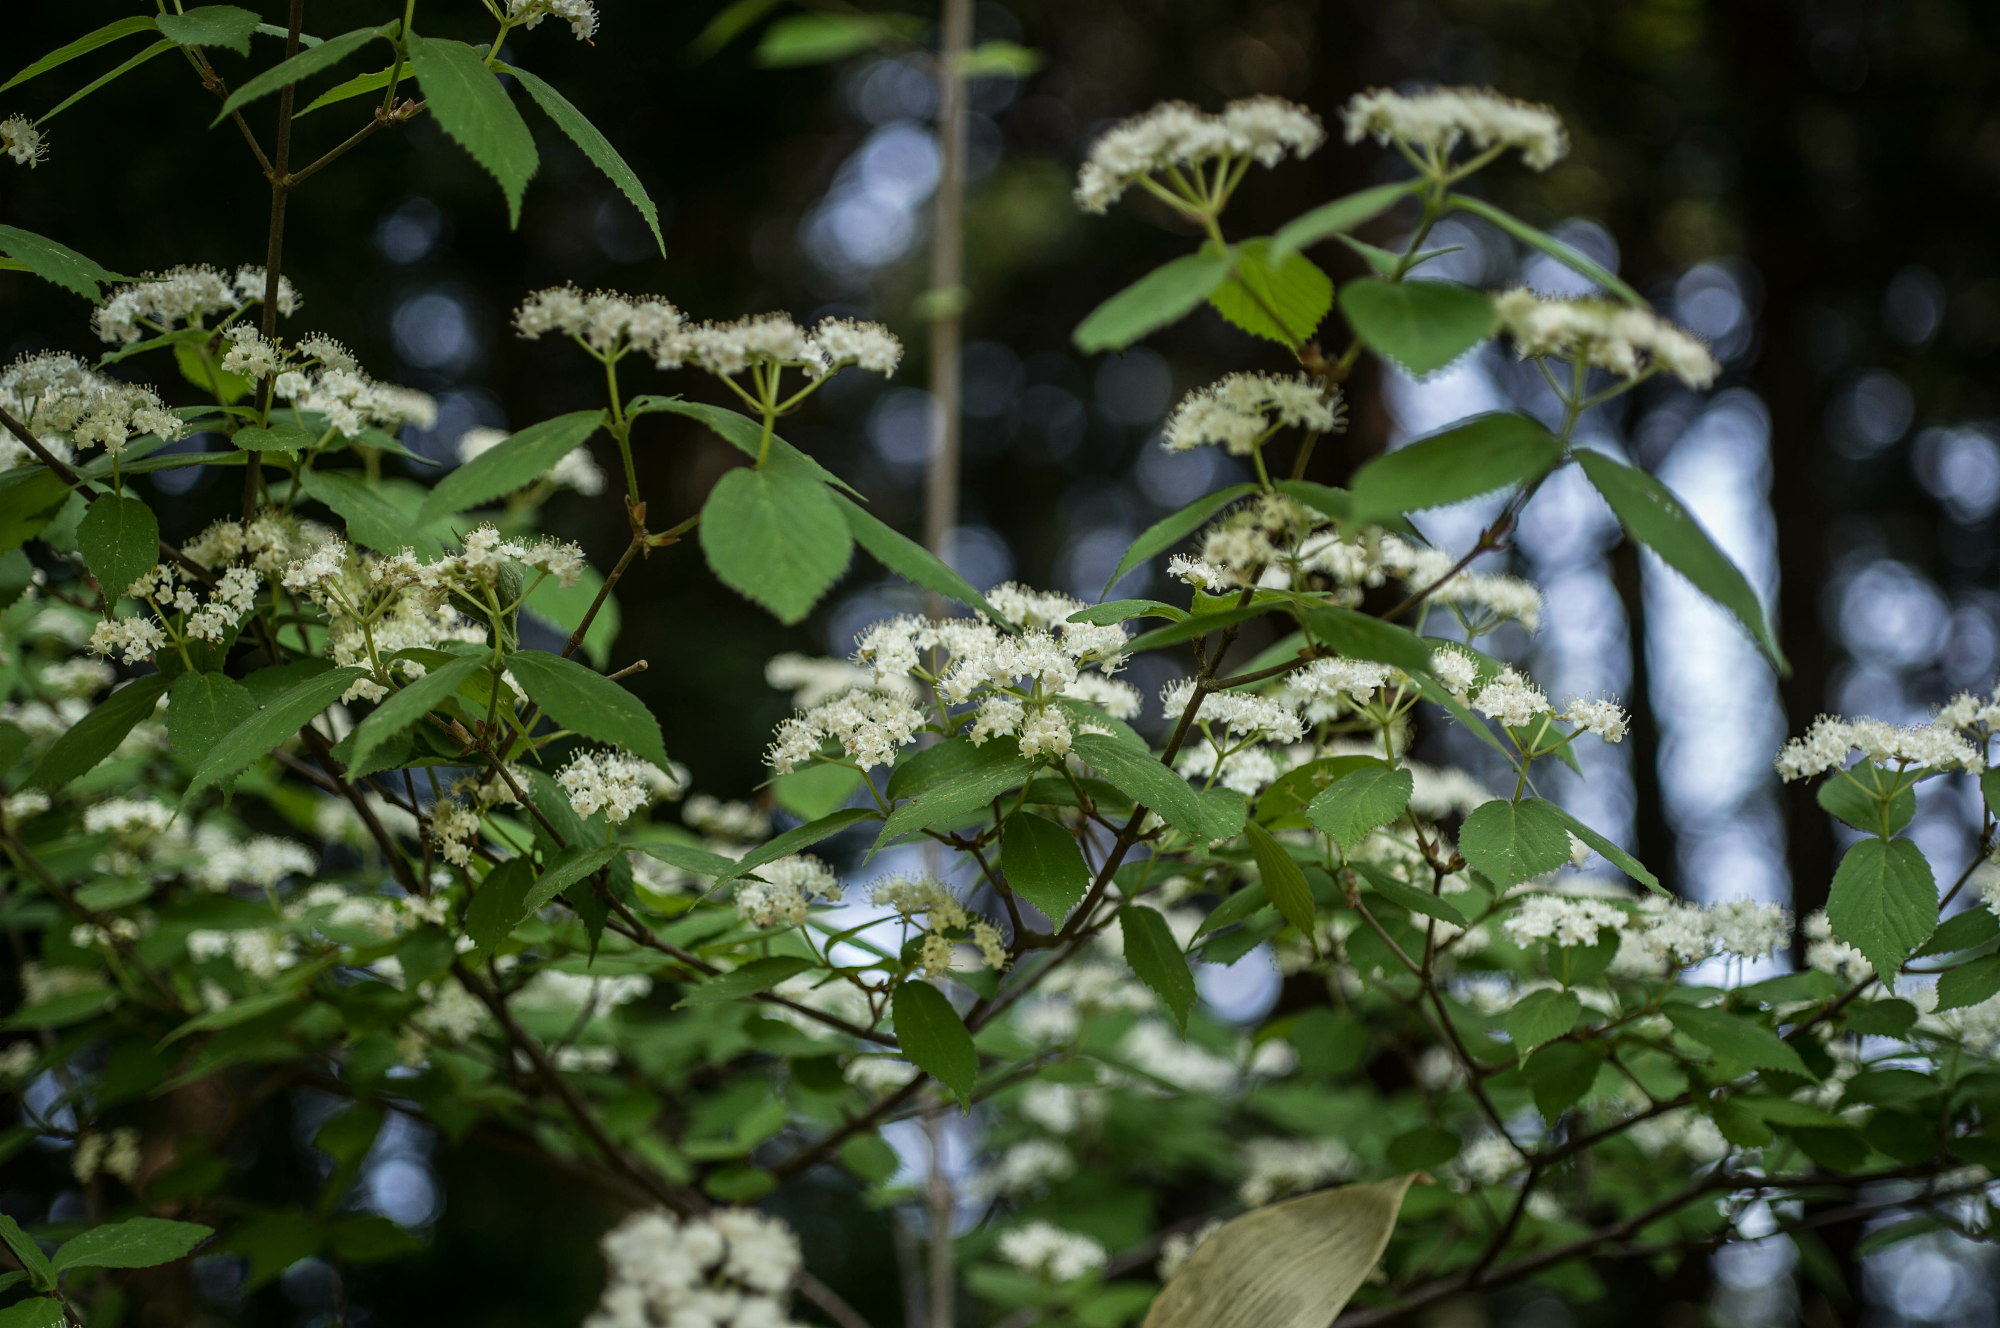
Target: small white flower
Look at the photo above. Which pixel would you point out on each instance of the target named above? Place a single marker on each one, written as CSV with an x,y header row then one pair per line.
x,y
23,142
1240,411
1436,120
1175,134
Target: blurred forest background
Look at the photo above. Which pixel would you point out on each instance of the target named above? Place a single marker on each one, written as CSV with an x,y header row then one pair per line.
x,y
1808,183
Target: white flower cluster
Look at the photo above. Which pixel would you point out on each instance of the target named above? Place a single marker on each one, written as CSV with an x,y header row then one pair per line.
x,y
812,680
1243,410
133,640
53,393
115,1154
605,321
1563,920
183,295
581,15
1326,689
1176,135
554,991
23,142
1825,746
353,402
1279,1168
269,541
727,349
1511,699
219,861
868,725
1666,934
1418,567
611,781
576,470
729,1269
1244,714
1826,953
781,891
1436,120
1049,1251
1608,334
942,914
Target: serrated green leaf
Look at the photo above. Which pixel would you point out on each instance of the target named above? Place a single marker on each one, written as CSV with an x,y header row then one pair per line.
x,y
1570,257
304,65
1143,779
1738,1039
1124,610
1283,880
57,263
759,975
1961,931
909,559
796,840
1043,865
1559,1075
40,1271
568,867
1409,896
1883,902
1171,530
996,768
499,904
1851,796
1342,214
280,436
1613,854
120,540
815,790
1421,325
1200,624
934,1038
744,434
84,45
137,1242
227,26
1165,295
404,710
1509,842
1359,636
358,86
594,145
586,701
776,537
201,708
1652,515
1969,984
1157,959
98,733
471,106
1486,453
1541,1016
275,719
371,518
39,1312
1282,298
1359,803
156,49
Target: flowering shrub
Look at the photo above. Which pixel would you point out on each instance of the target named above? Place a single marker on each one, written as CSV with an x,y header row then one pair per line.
x,y
300,798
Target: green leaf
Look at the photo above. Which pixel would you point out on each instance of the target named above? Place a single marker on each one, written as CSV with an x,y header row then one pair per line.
x,y
998,768
1171,530
137,1242
581,699
281,436
1360,802
30,498
813,39
909,559
371,518
1043,865
1883,902
1359,636
758,975
1409,896
1613,854
404,710
275,719
1738,1039
594,145
211,25
84,45
57,263
1165,295
1486,453
796,840
41,1273
1508,842
1961,931
1559,1075
1969,984
40,1312
934,1038
201,708
1573,259
1124,610
98,733
1143,779
744,434
777,537
1282,298
1541,1016
1199,624
816,790
1425,1148
157,48
499,904
1653,516
1286,1265
299,67
1282,879
1421,325
727,23
1156,957
1342,214
999,59
1851,796
473,108
358,86
571,865
120,540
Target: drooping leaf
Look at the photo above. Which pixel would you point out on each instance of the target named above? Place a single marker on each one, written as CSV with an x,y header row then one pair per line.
x,y
1415,900
1293,1264
1508,842
1282,878
1282,298
1737,1038
744,434
568,867
36,1312
372,519
1883,902
304,65
1358,636
1157,959
201,709
1483,454
994,769
40,1271
1199,624
137,1242
1358,803
1850,796
594,145
358,86
474,110
1613,854
404,710
1342,214
1165,295
499,904
582,699
1421,325
228,26
1171,530
934,1038
1559,1075
57,263
1569,256
275,719
158,48
1541,1016
120,540
1653,516
796,840
777,537
1143,779
98,733
1043,865
909,559
758,975
1969,984
84,45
